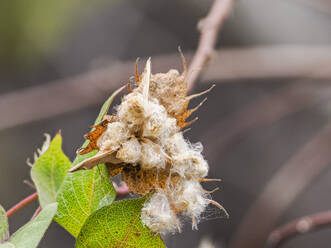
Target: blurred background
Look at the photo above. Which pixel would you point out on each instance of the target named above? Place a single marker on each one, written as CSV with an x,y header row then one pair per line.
x,y
265,127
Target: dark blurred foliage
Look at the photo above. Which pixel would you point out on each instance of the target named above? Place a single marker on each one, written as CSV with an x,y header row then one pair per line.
x,y
45,40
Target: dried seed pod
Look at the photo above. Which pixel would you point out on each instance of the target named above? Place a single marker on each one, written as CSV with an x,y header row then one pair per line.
x,y
144,143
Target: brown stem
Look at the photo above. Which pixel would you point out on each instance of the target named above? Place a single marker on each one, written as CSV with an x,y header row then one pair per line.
x,y
299,226
22,203
209,28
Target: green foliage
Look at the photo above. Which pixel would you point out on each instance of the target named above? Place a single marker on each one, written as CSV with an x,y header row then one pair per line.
x,y
32,232
35,28
82,202
118,225
85,191
82,193
4,231
49,171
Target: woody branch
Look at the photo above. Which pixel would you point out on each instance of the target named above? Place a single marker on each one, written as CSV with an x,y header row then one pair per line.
x,y
297,227
209,28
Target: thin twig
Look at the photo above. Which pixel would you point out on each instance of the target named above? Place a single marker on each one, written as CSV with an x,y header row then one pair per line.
x,y
264,111
120,190
300,226
21,204
209,28
277,61
285,186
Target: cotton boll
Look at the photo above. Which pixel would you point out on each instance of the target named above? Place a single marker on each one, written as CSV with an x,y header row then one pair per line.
x,y
189,198
114,135
189,164
159,128
169,128
182,163
152,156
156,118
144,143
194,196
199,166
197,147
158,125
158,215
130,151
132,110
176,144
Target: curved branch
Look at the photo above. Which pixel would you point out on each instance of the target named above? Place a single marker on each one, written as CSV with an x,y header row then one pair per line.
x,y
209,28
283,188
299,226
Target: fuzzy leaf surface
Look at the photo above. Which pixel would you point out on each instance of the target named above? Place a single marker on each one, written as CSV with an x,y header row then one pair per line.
x,y
29,235
118,225
85,191
49,171
4,228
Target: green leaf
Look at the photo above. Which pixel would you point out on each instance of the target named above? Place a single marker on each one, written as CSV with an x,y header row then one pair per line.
x,y
85,191
4,229
31,233
118,225
82,193
49,171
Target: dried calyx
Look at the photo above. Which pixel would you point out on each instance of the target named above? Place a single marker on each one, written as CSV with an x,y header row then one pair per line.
x,y
144,143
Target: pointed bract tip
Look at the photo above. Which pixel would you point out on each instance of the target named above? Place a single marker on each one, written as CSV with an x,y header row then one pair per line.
x,y
183,62
146,79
